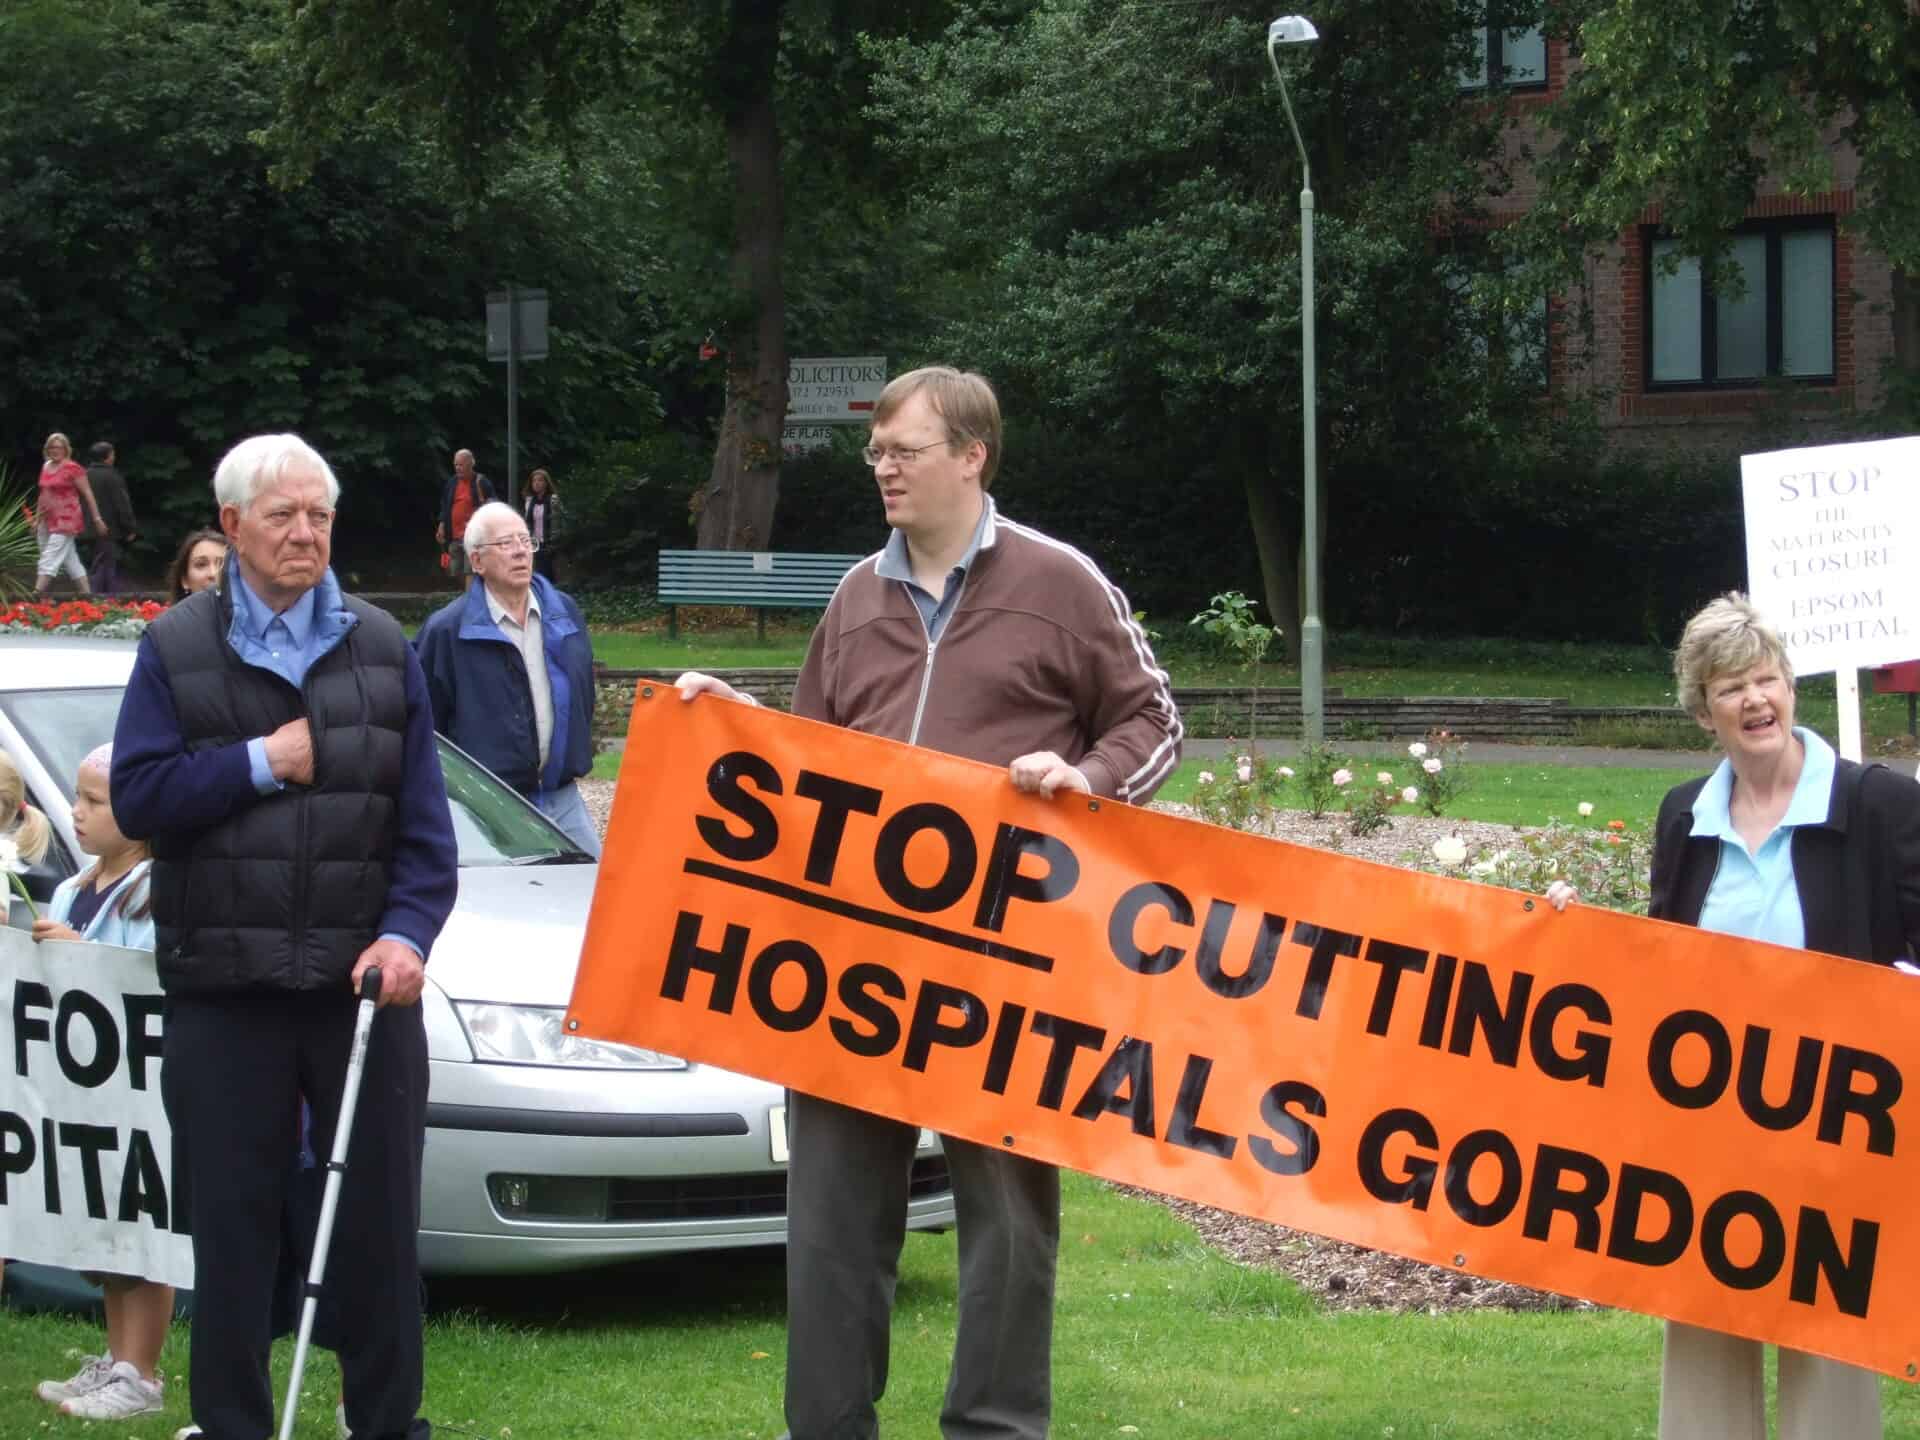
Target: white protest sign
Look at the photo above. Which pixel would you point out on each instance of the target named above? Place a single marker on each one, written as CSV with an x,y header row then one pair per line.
x,y
1833,551
86,1158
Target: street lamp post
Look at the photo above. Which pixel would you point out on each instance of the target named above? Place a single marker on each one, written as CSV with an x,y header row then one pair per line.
x,y
1298,30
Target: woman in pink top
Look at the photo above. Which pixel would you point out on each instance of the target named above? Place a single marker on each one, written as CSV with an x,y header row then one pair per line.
x,y
58,522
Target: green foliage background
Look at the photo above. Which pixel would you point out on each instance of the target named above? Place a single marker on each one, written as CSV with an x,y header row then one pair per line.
x,y
221,216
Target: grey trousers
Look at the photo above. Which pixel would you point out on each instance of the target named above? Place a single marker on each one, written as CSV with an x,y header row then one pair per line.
x,y
847,1218
1713,1387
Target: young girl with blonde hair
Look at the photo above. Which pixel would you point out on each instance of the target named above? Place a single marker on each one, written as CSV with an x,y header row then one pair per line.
x,y
108,903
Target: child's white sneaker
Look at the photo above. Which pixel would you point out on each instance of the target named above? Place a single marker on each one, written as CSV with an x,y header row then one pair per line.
x,y
92,1374
124,1394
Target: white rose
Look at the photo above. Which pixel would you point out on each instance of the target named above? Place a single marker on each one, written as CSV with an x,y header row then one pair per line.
x,y
1586,807
1206,777
1450,850
1343,777
1285,772
1410,794
1432,767
1385,777
1416,749
1245,772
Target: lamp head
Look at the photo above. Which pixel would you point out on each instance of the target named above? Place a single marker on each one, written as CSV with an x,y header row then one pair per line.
x,y
1291,30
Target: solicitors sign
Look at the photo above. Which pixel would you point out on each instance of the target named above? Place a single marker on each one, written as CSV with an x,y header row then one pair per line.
x,y
1833,550
1642,1114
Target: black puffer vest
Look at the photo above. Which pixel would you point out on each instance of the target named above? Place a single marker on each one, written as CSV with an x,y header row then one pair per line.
x,y
285,893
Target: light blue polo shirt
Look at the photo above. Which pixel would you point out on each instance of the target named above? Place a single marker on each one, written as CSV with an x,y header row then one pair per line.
x,y
1753,894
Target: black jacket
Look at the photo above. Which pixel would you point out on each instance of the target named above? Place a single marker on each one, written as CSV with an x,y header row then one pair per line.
x,y
482,491
1858,874
109,488
286,892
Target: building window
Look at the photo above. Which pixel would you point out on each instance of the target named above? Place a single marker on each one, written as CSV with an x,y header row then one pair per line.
x,y
1780,325
1517,58
1507,334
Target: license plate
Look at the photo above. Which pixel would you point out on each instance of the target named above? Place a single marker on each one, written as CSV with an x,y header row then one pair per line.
x,y
777,1135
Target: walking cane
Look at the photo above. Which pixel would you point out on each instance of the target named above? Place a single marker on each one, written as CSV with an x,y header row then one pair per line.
x,y
330,1197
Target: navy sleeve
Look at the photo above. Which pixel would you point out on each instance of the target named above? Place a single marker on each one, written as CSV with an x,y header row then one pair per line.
x,y
431,646
426,859
156,783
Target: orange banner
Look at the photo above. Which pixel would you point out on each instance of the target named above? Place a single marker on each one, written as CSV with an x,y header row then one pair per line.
x,y
1640,1114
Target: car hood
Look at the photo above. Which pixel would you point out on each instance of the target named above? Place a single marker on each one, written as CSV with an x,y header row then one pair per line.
x,y
515,934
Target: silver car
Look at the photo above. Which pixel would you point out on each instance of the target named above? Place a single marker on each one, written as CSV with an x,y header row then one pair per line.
x,y
544,1151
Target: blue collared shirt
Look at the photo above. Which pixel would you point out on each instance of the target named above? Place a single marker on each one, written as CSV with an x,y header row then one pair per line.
x,y
895,563
1752,894
288,644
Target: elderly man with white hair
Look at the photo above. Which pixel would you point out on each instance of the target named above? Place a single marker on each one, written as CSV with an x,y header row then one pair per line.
x,y
510,673
276,748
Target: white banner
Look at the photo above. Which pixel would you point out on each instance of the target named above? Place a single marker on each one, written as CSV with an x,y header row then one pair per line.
x,y
86,1158
1833,551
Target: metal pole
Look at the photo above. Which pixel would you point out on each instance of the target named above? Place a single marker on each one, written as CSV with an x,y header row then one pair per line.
x,y
513,397
1313,716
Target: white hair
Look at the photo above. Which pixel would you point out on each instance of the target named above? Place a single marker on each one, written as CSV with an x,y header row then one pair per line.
x,y
263,460
482,520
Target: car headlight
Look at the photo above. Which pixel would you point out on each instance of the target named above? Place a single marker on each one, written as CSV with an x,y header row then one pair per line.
x,y
534,1035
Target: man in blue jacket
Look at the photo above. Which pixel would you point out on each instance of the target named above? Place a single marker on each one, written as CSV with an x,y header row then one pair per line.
x,y
276,748
509,670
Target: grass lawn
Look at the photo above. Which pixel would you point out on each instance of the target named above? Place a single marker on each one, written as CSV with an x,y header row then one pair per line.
x,y
1513,794
1156,1336
1509,794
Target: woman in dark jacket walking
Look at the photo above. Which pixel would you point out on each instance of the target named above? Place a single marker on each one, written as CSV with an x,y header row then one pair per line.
x,y
541,510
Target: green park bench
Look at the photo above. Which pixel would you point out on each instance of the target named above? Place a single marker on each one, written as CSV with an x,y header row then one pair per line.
x,y
765,579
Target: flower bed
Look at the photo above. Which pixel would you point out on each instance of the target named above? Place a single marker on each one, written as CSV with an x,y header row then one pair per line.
x,y
117,619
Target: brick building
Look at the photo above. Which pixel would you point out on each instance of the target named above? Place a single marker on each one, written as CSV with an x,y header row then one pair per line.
x,y
1666,358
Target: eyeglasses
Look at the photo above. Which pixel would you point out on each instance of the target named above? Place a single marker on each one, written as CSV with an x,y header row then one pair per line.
x,y
901,455
513,546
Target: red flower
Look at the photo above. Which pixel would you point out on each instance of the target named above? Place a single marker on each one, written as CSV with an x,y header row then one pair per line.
x,y
1616,824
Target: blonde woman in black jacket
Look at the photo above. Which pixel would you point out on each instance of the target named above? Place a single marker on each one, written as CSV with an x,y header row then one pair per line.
x,y
1785,842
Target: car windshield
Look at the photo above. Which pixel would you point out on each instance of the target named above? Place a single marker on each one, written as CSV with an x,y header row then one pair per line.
x,y
492,824
63,725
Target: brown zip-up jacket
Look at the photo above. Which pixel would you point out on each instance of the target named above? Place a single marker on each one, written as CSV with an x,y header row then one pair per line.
x,y
1041,653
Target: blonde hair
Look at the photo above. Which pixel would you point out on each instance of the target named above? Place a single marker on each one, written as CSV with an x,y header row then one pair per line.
x,y
26,826
133,900
1727,636
964,400
61,437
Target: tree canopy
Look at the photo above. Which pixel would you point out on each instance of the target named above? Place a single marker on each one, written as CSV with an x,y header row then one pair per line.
x,y
1115,192
1688,104
158,291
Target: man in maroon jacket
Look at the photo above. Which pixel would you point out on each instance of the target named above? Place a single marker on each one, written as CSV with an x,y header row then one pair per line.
x,y
974,635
